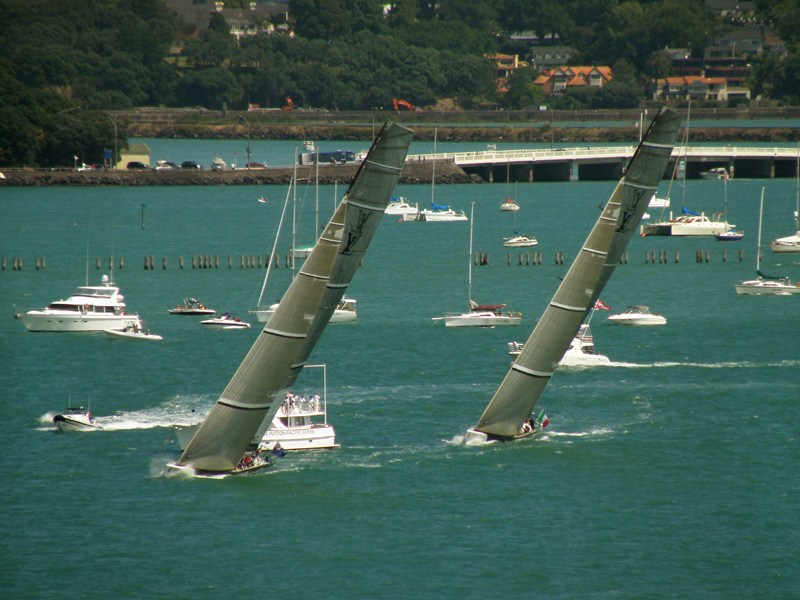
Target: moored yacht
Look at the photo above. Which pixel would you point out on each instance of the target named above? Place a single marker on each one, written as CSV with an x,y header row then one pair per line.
x,y
90,308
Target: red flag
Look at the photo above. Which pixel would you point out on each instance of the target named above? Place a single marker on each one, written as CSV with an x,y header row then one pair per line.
x,y
601,306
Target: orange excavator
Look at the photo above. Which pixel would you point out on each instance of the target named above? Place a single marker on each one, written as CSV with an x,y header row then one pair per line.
x,y
289,104
408,105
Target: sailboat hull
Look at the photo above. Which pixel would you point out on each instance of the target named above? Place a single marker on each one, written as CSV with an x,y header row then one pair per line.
x,y
481,319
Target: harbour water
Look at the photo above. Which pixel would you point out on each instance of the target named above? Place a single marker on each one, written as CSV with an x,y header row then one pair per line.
x,y
672,473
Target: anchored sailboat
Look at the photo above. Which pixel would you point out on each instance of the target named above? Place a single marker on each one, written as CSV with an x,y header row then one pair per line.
x,y
479,315
791,243
224,442
765,284
508,414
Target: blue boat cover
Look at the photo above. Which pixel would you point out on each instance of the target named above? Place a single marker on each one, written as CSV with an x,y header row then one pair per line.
x,y
686,211
437,207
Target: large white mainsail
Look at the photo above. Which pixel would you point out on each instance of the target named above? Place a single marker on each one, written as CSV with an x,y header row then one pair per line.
x,y
365,200
258,387
512,404
226,432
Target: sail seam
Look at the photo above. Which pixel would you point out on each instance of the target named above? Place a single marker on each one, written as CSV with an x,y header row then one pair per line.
x,y
640,186
568,307
371,207
592,251
382,167
314,275
285,334
656,145
235,404
531,372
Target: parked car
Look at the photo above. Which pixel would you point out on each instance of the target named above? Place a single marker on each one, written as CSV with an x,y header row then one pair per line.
x,y
165,165
135,165
190,164
255,165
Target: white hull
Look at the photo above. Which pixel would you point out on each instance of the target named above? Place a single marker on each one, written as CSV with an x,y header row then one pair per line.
x,y
480,319
638,321
226,321
435,216
637,316
132,335
74,422
764,287
313,437
401,208
656,202
509,206
60,321
520,241
786,245
688,225
225,325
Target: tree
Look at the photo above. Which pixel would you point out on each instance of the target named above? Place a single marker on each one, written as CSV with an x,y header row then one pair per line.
x,y
211,88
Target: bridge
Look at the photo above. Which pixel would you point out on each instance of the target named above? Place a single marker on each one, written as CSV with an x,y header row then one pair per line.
x,y
608,163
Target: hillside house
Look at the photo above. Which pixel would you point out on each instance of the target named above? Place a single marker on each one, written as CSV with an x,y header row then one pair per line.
x,y
558,80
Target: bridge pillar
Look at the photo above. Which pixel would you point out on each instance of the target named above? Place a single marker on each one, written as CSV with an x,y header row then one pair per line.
x,y
530,173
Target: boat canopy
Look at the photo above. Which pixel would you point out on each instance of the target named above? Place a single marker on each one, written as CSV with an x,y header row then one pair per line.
x,y
686,211
763,275
437,207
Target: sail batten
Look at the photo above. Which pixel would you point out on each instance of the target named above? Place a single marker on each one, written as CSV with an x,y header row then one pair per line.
x,y
515,398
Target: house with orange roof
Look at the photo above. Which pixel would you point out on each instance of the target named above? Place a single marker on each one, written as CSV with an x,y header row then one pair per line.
x,y
684,88
558,80
506,64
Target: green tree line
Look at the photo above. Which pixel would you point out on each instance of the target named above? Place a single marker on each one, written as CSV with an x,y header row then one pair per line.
x,y
62,62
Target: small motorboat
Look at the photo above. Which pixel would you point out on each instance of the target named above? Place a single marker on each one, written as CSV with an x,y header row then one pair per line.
x,y
191,306
263,200
732,235
637,315
716,173
226,321
76,419
520,241
133,331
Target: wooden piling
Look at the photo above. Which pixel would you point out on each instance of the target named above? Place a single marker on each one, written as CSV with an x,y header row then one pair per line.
x,y
741,255
164,262
121,262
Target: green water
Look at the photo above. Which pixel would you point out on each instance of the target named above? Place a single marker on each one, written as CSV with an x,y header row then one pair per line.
x,y
671,474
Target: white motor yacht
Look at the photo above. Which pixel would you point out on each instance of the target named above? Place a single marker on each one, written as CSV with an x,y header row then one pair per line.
x,y
90,308
637,315
300,424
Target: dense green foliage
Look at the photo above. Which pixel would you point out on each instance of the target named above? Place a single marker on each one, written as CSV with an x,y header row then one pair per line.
x,y
62,61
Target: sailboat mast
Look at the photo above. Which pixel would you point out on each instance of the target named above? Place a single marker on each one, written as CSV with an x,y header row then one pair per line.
x,y
469,258
275,243
433,171
294,216
316,202
758,246
797,191
685,153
